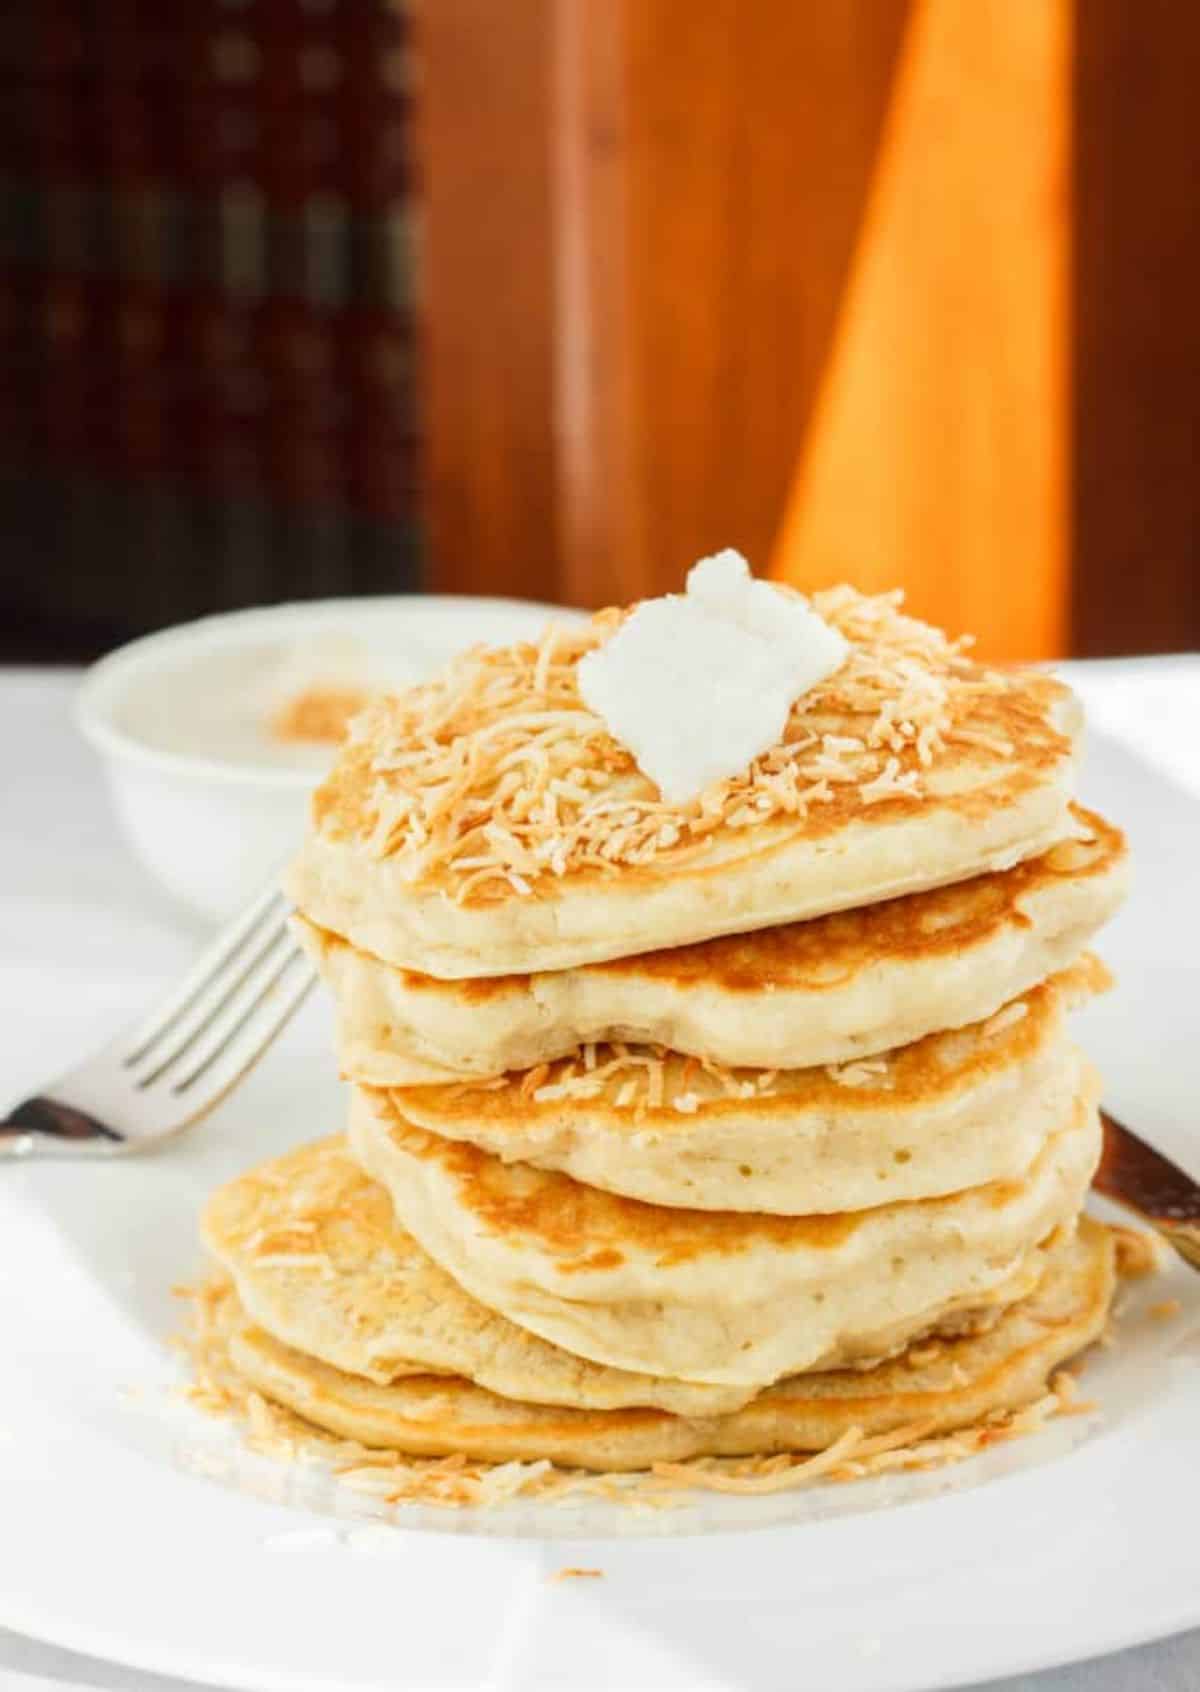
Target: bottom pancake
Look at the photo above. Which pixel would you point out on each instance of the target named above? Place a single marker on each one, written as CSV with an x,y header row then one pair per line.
x,y
320,1263
939,1387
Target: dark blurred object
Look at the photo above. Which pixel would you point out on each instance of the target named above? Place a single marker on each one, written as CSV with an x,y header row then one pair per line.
x,y
1136,422
205,312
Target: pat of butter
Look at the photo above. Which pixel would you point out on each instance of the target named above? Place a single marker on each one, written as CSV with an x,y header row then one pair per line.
x,y
699,685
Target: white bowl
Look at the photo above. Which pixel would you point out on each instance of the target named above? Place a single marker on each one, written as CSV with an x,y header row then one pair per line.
x,y
212,804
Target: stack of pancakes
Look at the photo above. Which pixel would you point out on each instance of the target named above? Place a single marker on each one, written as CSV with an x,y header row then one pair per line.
x,y
686,1130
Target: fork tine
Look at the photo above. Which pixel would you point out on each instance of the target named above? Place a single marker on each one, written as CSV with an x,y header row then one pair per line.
x,y
210,963
254,993
191,1052
208,1003
214,1026
258,1026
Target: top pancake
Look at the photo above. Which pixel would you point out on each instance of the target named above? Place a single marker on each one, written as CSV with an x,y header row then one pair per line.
x,y
486,823
830,990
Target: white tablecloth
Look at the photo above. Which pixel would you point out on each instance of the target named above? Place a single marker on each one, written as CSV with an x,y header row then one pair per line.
x,y
75,907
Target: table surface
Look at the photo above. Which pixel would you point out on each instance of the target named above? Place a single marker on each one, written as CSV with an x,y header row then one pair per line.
x,y
71,895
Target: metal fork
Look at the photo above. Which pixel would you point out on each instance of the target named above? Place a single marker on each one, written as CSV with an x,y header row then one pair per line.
x,y
170,1069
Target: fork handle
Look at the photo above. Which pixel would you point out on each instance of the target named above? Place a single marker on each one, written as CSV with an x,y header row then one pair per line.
x,y
40,1126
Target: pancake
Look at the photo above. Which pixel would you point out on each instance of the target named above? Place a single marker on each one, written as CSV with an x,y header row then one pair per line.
x,y
320,1262
485,823
966,1381
949,1112
828,990
713,1295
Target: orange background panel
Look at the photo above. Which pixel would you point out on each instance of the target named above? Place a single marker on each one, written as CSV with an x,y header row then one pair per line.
x,y
895,290
937,454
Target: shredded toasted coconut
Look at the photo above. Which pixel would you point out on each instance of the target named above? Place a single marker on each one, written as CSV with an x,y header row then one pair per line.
x,y
860,1072
1007,1017
319,713
986,742
890,783
494,776
458,1482
1139,1253
634,1077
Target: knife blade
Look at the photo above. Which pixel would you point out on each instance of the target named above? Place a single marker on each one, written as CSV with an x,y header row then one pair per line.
x,y
1155,1189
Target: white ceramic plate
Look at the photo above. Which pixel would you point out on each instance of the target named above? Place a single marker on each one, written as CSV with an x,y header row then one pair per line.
x,y
135,1530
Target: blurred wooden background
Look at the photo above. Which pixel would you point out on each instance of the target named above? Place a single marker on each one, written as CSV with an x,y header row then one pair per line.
x,y
304,297
896,289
